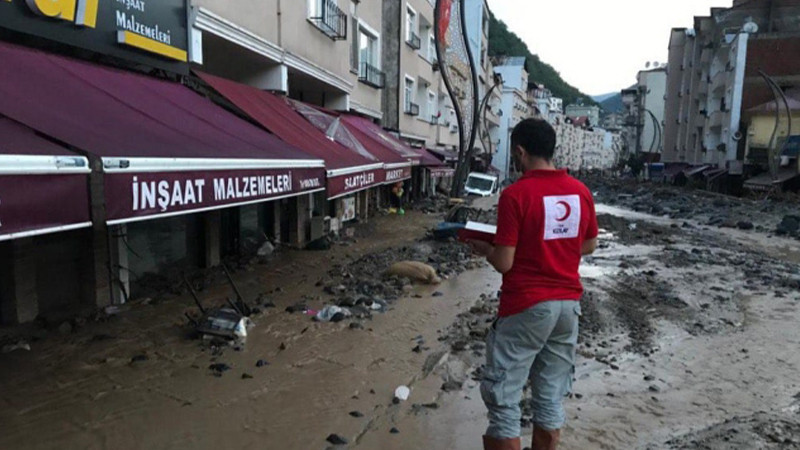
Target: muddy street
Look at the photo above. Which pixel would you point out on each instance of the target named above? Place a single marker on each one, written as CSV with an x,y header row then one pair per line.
x,y
686,342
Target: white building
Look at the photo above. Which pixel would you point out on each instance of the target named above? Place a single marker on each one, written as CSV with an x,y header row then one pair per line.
x,y
515,107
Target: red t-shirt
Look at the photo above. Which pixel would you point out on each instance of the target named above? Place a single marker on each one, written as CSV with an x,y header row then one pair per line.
x,y
547,215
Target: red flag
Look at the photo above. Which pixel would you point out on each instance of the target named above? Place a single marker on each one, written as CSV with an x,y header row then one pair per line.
x,y
444,20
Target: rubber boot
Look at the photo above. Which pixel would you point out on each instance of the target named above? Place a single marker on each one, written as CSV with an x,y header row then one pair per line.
x,y
490,443
545,439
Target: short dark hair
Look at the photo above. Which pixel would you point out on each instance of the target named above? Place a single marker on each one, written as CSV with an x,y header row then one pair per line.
x,y
536,136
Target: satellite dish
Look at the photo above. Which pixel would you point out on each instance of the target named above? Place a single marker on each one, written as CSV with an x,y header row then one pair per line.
x,y
750,28
647,65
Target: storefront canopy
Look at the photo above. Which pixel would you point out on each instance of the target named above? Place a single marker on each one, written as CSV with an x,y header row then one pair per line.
x,y
165,149
44,188
377,139
348,171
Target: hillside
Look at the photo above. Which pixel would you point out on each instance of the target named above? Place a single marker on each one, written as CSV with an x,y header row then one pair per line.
x,y
504,42
612,104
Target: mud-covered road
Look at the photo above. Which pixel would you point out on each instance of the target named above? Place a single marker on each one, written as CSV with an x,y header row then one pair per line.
x,y
689,340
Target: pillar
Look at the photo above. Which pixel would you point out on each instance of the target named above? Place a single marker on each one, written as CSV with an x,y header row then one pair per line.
x,y
363,206
212,221
20,302
120,291
97,277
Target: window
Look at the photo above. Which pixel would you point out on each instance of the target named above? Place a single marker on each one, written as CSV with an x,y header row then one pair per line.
x,y
410,107
433,111
369,60
432,47
328,18
412,36
411,24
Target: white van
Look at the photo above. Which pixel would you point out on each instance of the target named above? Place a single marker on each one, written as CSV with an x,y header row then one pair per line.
x,y
481,184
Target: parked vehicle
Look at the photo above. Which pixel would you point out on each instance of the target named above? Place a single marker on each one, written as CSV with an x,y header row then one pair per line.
x,y
481,184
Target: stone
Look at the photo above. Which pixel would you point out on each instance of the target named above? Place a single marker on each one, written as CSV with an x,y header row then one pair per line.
x,y
745,225
394,430
654,388
266,249
65,328
335,439
247,376
452,385
261,363
649,378
356,414
139,358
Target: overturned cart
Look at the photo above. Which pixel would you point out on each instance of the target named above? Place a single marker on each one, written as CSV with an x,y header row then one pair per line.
x,y
227,323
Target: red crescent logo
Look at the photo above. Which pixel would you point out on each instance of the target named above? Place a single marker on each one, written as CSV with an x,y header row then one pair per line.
x,y
568,210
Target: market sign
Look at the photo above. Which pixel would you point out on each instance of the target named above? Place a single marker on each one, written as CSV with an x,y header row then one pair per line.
x,y
148,195
149,32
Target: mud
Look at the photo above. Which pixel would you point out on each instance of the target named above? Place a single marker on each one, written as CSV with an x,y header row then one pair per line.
x,y
688,332
767,215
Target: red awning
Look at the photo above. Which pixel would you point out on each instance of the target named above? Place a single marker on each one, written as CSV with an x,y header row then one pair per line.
x,y
348,171
165,150
44,188
375,137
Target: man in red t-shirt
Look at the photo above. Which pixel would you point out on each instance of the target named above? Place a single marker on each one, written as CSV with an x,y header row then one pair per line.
x,y
546,222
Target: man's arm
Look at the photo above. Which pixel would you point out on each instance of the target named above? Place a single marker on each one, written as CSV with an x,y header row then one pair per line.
x,y
588,247
501,257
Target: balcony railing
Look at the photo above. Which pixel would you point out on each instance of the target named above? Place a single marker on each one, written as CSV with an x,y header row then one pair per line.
x,y
371,76
330,19
412,109
414,41
434,119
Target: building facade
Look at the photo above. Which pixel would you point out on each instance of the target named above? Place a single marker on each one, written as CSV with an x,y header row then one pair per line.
x,y
590,111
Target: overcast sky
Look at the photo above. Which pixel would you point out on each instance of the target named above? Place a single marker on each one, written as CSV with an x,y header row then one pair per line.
x,y
599,45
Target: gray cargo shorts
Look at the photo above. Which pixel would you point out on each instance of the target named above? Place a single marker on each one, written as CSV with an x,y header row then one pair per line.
x,y
538,343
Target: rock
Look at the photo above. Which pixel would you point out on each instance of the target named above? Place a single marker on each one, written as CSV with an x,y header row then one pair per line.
x,y
356,414
394,431
649,378
219,367
437,294
247,376
335,439
789,225
459,346
356,326
139,358
452,385
654,388
266,249
415,271
261,363
744,225
65,328
321,244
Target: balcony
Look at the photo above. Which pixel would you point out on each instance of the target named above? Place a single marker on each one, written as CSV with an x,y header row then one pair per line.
x,y
371,76
412,109
434,119
329,19
414,41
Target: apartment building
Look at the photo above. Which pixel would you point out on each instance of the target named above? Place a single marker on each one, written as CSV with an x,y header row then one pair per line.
x,y
590,111
713,81
515,108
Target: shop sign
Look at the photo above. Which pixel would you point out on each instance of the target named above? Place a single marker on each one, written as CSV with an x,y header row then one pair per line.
x,y
142,195
150,32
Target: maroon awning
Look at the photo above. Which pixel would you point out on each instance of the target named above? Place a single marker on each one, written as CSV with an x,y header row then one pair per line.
x,y
376,138
165,149
348,171
383,138
44,188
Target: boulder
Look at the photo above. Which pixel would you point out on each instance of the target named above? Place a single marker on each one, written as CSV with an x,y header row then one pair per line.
x,y
415,271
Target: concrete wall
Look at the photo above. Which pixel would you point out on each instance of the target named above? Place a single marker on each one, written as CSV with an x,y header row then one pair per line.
x,y
654,84
257,16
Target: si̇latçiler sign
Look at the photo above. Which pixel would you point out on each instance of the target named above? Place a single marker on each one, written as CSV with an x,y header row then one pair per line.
x,y
149,32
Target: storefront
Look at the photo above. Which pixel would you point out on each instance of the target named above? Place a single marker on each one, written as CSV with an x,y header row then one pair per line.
x,y
351,170
169,167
